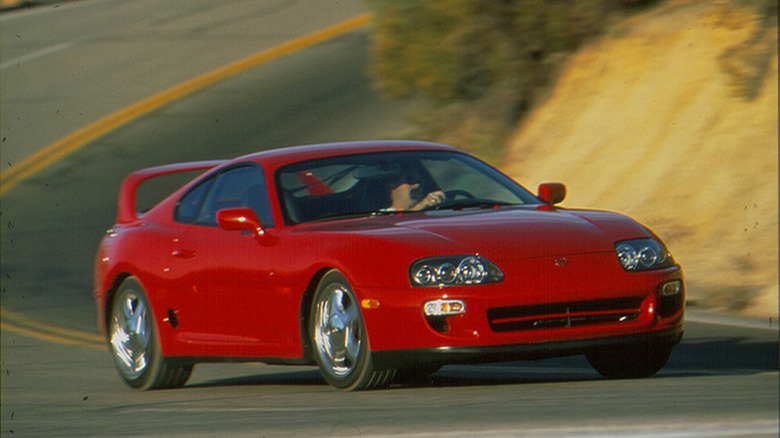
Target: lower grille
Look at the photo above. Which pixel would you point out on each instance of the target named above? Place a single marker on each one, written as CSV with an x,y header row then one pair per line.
x,y
557,315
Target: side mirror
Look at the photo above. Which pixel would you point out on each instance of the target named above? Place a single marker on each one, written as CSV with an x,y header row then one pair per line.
x,y
552,193
240,219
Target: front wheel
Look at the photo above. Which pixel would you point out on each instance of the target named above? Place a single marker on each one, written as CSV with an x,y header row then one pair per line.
x,y
134,344
340,339
630,361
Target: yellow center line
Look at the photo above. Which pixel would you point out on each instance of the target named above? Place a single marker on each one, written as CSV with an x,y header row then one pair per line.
x,y
17,320
78,139
33,333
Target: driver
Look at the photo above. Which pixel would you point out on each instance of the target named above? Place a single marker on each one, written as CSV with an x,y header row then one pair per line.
x,y
401,198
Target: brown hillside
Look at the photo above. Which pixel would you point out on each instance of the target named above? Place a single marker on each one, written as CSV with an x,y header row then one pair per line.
x,y
673,119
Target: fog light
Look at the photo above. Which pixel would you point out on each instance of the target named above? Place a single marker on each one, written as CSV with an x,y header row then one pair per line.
x,y
444,308
671,288
671,299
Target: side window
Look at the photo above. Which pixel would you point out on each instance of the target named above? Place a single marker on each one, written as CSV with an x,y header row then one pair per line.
x,y
189,206
240,187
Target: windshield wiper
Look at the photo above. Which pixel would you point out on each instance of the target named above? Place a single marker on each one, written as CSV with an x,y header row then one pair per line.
x,y
461,204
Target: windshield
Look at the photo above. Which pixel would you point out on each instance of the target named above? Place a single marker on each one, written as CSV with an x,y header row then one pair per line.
x,y
383,183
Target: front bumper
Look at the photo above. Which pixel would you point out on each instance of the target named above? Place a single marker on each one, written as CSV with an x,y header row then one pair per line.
x,y
526,317
497,353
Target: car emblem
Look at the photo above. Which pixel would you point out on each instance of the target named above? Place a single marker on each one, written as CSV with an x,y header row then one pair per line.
x,y
560,262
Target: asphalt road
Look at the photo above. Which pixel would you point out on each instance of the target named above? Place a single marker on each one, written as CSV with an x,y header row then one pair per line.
x,y
53,220
67,64
722,381
57,380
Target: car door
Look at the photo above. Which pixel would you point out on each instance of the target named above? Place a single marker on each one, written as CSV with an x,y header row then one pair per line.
x,y
224,279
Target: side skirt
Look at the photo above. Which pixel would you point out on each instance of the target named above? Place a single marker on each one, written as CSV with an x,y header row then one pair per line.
x,y
192,360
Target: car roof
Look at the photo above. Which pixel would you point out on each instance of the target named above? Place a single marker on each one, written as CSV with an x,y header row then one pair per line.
x,y
275,158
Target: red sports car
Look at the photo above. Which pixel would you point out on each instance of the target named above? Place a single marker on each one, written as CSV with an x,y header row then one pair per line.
x,y
376,260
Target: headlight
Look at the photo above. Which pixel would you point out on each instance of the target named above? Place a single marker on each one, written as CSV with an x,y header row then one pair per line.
x,y
642,254
454,271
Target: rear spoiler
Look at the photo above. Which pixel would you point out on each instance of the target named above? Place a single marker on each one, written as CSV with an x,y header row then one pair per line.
x,y
126,211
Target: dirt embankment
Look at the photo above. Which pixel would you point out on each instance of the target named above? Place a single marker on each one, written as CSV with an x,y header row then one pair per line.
x,y
672,118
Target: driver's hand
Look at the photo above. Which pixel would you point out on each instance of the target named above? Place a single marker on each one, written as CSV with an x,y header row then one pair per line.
x,y
430,200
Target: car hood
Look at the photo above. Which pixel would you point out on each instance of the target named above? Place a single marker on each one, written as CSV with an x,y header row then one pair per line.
x,y
503,234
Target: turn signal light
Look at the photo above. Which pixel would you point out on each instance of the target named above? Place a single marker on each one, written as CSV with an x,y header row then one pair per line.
x,y
370,304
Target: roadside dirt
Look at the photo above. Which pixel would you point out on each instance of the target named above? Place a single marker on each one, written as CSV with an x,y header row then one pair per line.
x,y
672,118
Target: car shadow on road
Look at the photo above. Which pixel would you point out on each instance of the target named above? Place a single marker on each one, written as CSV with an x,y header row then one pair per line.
x,y
695,358
723,355
292,376
514,373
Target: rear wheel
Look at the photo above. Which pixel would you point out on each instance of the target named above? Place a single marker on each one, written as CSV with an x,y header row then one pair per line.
x,y
134,343
630,361
339,337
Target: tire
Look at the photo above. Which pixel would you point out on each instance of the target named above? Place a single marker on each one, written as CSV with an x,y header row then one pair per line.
x,y
631,361
339,338
134,344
